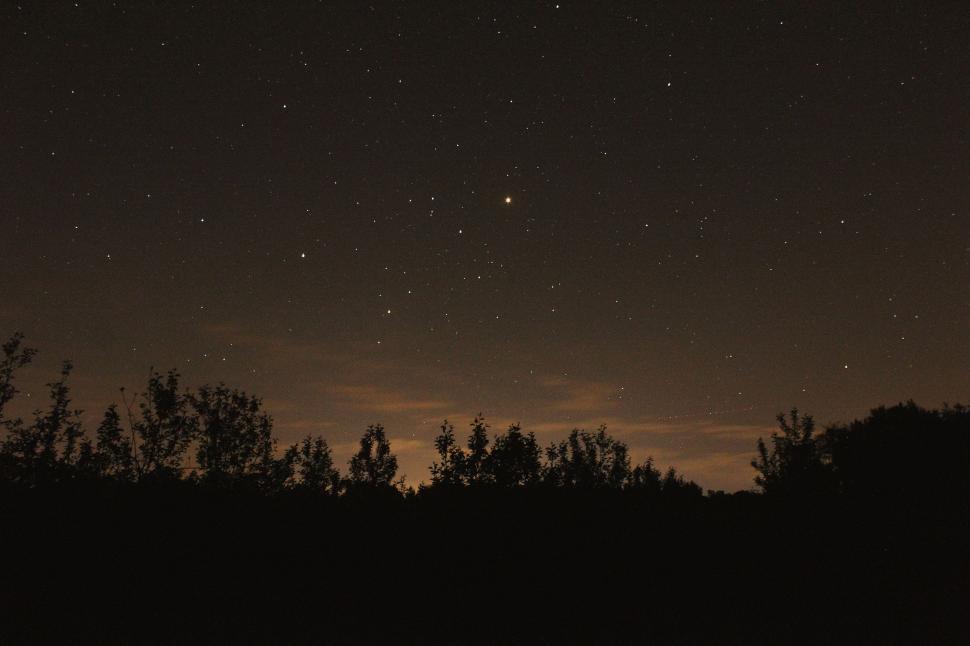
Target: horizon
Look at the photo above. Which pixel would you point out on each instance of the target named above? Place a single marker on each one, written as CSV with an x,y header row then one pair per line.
x,y
721,459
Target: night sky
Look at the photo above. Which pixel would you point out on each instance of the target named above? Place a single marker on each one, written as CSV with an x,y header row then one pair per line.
x,y
677,219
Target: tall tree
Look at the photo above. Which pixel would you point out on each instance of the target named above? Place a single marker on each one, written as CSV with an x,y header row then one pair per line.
x,y
514,459
645,477
165,429
474,462
235,437
49,448
373,465
449,468
112,456
15,356
588,460
792,465
313,464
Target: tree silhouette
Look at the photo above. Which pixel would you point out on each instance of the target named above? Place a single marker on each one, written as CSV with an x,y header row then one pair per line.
x,y
473,468
675,484
587,460
313,464
451,467
646,478
15,356
234,436
373,465
165,429
901,451
793,465
514,459
47,449
112,456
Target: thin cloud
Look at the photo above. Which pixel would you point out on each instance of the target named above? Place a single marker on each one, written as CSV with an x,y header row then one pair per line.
x,y
572,395
385,400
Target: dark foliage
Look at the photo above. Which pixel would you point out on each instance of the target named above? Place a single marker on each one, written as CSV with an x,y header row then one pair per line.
x,y
235,439
903,452
113,454
313,466
450,470
50,448
793,464
164,429
195,528
588,460
514,459
373,465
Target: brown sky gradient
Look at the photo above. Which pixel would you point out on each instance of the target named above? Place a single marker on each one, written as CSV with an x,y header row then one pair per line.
x,y
713,446
718,212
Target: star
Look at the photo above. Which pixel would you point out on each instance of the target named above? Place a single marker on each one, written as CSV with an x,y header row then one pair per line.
x,y
508,199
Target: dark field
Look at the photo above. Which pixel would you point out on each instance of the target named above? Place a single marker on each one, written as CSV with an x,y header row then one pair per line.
x,y
183,564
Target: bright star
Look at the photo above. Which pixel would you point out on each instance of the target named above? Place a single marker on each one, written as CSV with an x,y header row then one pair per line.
x,y
508,199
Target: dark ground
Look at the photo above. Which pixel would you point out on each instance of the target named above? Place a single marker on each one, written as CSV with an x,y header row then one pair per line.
x,y
185,564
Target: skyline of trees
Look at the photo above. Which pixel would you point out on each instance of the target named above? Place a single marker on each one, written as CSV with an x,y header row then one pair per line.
x,y
205,529
221,436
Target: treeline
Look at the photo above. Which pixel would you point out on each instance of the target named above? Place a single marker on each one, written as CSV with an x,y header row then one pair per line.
x,y
221,436
896,453
178,519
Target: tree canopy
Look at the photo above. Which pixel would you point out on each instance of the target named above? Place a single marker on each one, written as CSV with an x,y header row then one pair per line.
x,y
221,436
